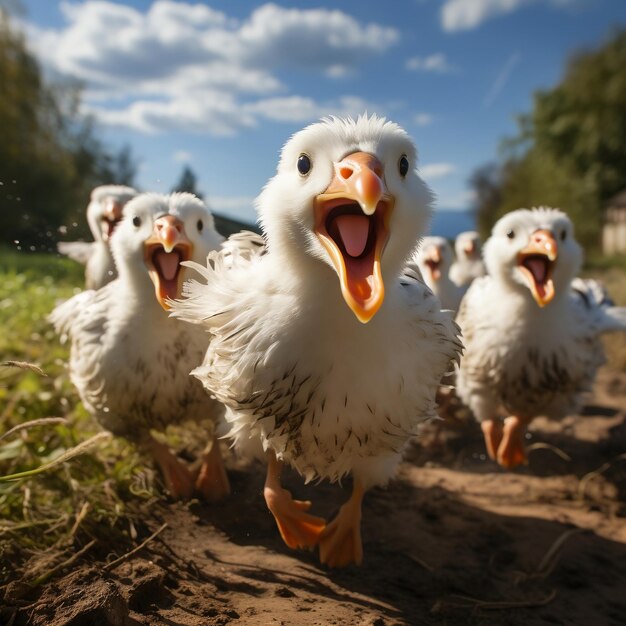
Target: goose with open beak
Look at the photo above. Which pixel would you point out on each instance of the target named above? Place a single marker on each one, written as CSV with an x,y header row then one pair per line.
x,y
104,213
532,330
129,360
434,258
325,351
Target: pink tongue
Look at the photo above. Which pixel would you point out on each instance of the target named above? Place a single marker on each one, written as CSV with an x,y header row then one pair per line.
x,y
167,262
354,230
537,269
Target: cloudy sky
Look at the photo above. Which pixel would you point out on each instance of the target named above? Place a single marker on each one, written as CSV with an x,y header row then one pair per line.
x,y
221,85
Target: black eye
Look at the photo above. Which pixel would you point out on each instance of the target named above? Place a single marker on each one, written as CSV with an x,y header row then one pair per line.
x,y
136,221
200,225
403,166
563,235
304,164
511,234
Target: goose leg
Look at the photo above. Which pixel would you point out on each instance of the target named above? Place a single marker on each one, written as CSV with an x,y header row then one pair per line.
x,y
298,528
212,480
512,451
492,432
178,478
340,543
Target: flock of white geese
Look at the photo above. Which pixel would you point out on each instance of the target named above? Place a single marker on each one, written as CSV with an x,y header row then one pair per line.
x,y
321,345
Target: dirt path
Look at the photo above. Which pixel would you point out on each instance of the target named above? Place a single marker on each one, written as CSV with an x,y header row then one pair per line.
x,y
453,540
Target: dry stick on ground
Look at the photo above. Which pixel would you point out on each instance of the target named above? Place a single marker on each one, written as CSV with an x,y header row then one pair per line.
x,y
51,572
548,446
82,514
597,472
136,549
550,558
466,602
421,563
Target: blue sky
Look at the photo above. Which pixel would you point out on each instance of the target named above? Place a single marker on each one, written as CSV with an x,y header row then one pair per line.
x,y
221,85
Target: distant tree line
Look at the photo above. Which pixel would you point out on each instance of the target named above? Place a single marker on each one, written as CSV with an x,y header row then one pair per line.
x,y
50,155
571,149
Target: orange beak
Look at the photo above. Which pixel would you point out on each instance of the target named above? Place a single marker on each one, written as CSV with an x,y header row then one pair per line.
x,y
536,262
432,259
352,221
111,217
164,251
469,248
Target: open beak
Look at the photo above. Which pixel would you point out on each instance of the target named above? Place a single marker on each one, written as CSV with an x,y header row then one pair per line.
x,y
432,259
352,221
111,217
164,251
536,262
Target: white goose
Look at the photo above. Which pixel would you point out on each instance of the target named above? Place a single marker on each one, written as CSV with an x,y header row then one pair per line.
x,y
469,264
531,330
322,351
104,213
130,361
434,257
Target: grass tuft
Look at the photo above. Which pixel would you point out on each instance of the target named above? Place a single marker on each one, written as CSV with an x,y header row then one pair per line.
x,y
55,505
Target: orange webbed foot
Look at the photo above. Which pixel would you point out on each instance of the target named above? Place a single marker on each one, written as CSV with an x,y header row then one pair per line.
x,y
512,451
340,543
212,481
492,432
178,479
298,528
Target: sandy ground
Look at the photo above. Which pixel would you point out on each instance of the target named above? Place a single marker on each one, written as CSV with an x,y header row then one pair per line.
x,y
452,540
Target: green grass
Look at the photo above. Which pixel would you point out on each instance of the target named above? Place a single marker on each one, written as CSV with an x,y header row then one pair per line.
x,y
97,495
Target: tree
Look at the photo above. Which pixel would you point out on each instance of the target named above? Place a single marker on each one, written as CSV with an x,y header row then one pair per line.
x,y
187,182
50,157
120,168
487,185
571,149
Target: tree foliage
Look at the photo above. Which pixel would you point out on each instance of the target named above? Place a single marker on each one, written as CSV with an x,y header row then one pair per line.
x,y
188,181
50,156
571,149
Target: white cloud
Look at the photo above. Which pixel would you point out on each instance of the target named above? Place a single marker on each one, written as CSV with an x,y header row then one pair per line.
x,y
210,112
448,199
455,200
184,66
301,109
316,37
423,119
182,156
436,170
467,14
431,63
